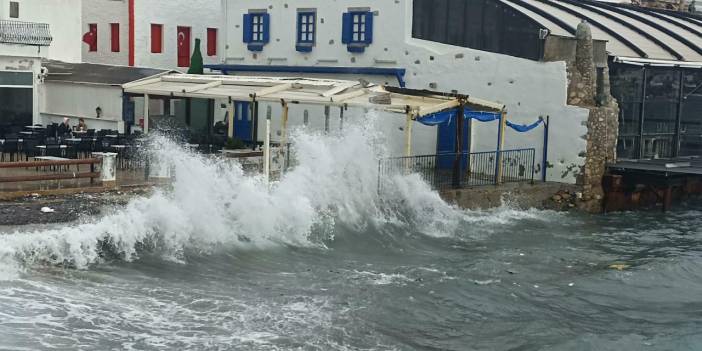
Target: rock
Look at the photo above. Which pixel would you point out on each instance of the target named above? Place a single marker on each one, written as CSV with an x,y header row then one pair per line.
x,y
557,198
566,196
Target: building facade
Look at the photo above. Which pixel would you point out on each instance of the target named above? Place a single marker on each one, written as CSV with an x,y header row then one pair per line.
x,y
23,44
150,33
376,41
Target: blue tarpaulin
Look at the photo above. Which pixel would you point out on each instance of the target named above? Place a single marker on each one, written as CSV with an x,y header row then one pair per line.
x,y
437,118
481,116
523,128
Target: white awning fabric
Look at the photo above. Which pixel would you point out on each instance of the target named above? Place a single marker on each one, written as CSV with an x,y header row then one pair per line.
x,y
303,91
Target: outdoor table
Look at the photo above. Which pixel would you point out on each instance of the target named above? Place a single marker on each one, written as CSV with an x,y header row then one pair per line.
x,y
34,127
51,158
26,133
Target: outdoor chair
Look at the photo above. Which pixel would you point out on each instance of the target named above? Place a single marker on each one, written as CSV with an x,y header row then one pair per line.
x,y
85,147
53,150
29,148
10,147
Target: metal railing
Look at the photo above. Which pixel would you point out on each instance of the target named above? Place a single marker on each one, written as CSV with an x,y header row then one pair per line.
x,y
27,33
454,171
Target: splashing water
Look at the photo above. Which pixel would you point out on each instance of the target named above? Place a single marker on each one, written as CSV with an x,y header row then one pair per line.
x,y
213,203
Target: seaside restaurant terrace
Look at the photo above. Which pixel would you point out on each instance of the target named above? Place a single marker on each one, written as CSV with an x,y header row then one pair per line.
x,y
241,95
191,116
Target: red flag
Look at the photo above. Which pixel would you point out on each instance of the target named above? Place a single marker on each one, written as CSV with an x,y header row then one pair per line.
x,y
90,37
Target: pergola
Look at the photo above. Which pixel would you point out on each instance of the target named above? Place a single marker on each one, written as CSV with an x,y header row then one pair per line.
x,y
412,104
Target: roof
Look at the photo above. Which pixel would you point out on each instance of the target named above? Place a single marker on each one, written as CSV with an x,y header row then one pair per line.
x,y
305,91
631,31
90,73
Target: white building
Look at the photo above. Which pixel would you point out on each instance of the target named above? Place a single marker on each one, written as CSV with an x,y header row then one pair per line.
x,y
22,46
63,18
150,33
373,40
92,92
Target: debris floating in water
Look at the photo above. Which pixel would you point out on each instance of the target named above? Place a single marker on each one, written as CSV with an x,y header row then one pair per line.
x,y
619,266
47,210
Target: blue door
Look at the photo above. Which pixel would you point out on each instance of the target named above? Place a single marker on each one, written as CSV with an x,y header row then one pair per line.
x,y
446,142
242,121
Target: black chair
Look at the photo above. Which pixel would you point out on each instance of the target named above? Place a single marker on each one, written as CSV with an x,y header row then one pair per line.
x,y
53,150
90,133
29,148
85,147
10,147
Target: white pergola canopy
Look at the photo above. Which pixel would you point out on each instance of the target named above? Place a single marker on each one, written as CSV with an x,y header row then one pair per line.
x,y
313,91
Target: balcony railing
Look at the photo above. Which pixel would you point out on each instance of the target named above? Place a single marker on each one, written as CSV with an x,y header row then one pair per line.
x,y
26,33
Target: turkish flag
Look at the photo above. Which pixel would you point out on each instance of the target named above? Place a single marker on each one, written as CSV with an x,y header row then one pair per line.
x,y
90,37
183,46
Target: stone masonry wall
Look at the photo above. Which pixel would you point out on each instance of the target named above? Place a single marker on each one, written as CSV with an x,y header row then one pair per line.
x,y
602,123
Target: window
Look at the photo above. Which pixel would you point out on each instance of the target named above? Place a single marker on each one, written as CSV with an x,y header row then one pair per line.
x,y
211,41
14,9
357,31
156,38
256,30
306,30
114,36
91,37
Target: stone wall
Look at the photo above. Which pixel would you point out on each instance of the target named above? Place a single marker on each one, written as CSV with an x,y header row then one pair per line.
x,y
589,88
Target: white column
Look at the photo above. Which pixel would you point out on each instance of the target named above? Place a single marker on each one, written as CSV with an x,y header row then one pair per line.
x,y
146,113
230,109
267,152
408,135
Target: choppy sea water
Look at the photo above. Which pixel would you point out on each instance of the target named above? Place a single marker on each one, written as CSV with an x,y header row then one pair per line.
x,y
321,261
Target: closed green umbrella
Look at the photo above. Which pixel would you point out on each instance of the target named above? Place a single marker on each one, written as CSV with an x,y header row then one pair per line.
x,y
196,60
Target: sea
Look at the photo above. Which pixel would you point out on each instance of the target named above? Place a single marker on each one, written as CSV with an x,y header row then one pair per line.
x,y
320,259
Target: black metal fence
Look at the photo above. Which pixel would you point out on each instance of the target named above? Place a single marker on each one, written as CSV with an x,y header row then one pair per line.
x,y
453,171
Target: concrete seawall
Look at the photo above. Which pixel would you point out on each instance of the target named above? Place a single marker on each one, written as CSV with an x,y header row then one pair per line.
x,y
539,195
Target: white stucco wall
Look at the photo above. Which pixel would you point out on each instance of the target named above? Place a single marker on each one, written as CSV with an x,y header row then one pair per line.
x,y
103,13
529,89
59,100
196,14
12,59
64,19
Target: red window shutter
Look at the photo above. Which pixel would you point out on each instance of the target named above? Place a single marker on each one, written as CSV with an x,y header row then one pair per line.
x,y
114,36
211,41
156,38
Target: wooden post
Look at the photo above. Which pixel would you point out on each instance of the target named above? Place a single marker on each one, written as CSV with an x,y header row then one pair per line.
x,y
500,146
284,140
267,151
146,113
327,109
408,133
341,118
458,148
230,110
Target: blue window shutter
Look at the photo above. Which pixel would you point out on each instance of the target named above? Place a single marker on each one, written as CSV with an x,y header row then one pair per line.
x,y
266,27
299,27
248,36
369,27
347,26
